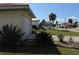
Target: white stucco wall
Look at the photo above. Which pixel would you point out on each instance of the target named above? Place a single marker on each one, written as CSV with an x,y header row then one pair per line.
x,y
16,17
10,17
26,26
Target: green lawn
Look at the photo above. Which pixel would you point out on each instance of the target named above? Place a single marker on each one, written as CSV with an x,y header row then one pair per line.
x,y
68,51
63,32
10,53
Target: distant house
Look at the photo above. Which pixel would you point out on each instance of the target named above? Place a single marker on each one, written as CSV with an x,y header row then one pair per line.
x,y
35,23
17,14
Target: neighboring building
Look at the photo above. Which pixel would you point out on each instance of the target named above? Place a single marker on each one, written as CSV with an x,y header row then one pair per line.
x,y
78,24
17,14
35,23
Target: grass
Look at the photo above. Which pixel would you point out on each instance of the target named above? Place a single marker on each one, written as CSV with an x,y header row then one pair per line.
x,y
68,51
63,32
10,53
49,50
64,50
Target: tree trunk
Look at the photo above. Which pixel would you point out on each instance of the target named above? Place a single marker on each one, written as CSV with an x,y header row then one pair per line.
x,y
53,24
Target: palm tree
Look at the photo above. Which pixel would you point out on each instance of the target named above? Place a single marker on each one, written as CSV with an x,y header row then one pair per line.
x,y
52,18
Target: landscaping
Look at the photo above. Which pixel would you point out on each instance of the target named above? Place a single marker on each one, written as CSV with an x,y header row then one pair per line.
x,y
63,32
23,33
41,51
68,51
42,44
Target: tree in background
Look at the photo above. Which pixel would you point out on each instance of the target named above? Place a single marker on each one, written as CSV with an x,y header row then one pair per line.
x,y
52,18
56,23
70,21
75,24
42,24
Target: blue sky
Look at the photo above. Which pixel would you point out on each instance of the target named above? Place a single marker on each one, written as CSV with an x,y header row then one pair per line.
x,y
62,10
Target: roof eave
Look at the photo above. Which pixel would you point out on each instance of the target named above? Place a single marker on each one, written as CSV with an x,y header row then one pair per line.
x,y
32,14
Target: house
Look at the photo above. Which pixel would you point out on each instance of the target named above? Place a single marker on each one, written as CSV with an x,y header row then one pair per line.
x,y
17,14
35,23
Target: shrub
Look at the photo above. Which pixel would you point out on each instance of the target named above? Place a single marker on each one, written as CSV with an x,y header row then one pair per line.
x,y
34,31
43,38
61,37
74,25
10,35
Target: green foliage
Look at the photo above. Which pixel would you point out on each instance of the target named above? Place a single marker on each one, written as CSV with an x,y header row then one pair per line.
x,y
75,24
56,22
52,18
42,24
43,38
70,20
10,35
34,31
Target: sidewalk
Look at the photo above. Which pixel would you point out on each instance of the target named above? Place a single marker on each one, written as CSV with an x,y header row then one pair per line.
x,y
75,39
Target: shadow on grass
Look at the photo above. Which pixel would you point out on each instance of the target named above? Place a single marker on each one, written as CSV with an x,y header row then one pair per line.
x,y
44,50
31,49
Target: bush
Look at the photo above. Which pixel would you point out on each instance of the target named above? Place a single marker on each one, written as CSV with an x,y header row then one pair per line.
x,y
9,35
43,38
61,37
74,26
34,31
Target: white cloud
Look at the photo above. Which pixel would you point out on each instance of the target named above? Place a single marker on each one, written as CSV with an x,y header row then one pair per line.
x,y
62,20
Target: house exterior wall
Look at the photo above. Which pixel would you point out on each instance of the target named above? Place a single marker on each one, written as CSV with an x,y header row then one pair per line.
x,y
15,17
27,23
26,26
10,17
